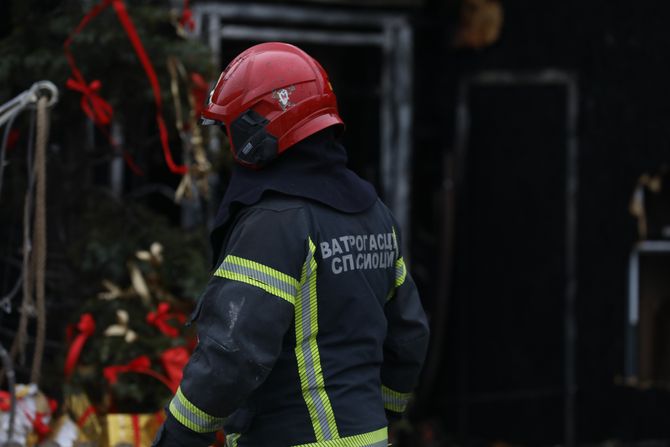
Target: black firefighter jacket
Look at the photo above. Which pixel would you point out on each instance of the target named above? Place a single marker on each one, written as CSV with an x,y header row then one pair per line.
x,y
310,330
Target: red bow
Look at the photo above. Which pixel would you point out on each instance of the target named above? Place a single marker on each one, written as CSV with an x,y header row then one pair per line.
x,y
140,365
174,360
86,328
187,17
39,426
161,317
96,108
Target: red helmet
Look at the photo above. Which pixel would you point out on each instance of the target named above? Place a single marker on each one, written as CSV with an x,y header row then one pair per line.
x,y
270,97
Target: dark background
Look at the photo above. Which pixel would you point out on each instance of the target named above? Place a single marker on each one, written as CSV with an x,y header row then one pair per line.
x,y
505,319
500,367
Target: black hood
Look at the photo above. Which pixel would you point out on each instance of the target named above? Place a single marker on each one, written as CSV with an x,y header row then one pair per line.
x,y
314,169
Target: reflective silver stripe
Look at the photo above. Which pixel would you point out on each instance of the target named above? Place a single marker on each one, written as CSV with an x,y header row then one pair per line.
x,y
260,276
377,438
394,400
307,354
192,417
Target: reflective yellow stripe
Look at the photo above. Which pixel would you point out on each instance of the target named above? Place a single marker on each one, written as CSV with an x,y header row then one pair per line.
x,y
400,275
400,272
259,275
307,353
377,438
231,439
395,400
191,416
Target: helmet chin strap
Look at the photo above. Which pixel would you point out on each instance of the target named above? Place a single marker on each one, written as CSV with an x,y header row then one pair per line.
x,y
253,145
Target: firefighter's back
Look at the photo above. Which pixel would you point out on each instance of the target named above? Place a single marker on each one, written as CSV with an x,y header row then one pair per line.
x,y
325,384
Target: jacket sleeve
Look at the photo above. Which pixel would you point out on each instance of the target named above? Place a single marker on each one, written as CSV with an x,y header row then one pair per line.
x,y
406,342
241,318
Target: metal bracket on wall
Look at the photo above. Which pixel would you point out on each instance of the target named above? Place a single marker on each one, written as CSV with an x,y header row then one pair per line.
x,y
568,80
391,33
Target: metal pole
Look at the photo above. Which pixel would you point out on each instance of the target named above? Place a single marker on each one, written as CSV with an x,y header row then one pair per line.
x,y
116,166
630,366
292,14
214,38
256,34
461,140
572,189
402,89
387,124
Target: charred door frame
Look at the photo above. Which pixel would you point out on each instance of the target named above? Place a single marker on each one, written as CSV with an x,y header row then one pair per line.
x,y
392,33
568,80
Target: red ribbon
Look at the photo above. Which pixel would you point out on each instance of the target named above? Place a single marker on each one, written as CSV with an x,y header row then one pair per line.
x,y
53,405
161,317
131,32
97,109
90,411
39,426
174,361
78,79
86,328
127,24
136,430
187,17
140,365
5,401
199,90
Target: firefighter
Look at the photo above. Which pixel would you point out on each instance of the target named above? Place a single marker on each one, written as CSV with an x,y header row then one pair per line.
x,y
311,330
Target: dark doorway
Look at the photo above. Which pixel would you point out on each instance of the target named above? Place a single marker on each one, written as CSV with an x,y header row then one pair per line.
x,y
510,284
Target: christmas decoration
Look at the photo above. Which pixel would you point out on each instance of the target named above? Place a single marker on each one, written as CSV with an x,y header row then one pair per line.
x,y
66,433
195,181
112,73
86,328
137,430
126,354
33,413
97,109
83,414
124,296
132,336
